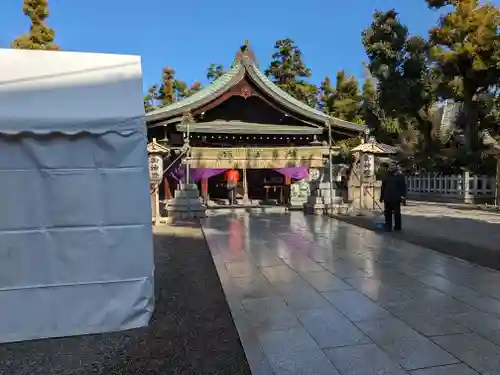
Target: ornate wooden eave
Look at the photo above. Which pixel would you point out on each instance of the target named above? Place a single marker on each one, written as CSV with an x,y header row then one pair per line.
x,y
245,66
240,127
257,157
156,148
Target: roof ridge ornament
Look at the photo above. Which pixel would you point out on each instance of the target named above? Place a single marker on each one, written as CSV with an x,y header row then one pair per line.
x,y
245,55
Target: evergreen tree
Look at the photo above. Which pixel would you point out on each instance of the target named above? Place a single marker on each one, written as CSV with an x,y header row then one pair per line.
x,y
193,88
180,90
325,94
289,72
214,71
346,100
167,90
40,36
466,52
151,98
405,84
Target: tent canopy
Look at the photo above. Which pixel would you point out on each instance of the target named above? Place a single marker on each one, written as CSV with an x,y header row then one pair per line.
x,y
75,231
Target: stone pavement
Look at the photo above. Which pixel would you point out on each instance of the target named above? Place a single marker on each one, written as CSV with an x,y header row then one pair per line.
x,y
312,295
455,222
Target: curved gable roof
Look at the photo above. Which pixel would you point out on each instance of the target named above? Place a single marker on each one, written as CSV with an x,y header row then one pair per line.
x,y
245,64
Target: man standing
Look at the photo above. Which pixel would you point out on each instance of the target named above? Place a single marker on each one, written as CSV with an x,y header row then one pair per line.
x,y
232,178
393,193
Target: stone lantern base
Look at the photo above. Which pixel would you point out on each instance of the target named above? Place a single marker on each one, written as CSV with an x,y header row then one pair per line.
x,y
186,204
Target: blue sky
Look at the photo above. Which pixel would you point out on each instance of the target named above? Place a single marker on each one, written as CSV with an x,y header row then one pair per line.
x,y
190,34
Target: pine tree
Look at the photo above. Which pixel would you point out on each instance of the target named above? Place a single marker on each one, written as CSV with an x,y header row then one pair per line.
x,y
288,71
214,71
369,110
40,36
180,90
346,100
466,52
151,98
325,94
405,85
167,91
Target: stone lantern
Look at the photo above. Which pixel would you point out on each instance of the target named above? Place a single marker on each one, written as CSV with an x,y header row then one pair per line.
x,y
156,155
364,188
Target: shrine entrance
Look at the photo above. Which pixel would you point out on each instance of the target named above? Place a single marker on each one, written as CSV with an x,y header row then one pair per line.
x,y
266,186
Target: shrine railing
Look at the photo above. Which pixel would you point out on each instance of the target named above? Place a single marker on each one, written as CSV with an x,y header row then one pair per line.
x,y
435,186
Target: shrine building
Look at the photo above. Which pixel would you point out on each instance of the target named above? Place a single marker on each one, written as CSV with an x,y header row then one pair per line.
x,y
242,120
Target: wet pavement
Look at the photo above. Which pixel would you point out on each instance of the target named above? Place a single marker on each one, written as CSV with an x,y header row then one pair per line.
x,y
460,223
312,295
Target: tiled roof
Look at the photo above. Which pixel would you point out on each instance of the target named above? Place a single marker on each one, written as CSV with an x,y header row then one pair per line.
x,y
218,85
376,148
245,63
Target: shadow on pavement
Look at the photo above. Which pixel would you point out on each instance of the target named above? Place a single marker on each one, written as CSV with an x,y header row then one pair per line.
x,y
468,239
192,331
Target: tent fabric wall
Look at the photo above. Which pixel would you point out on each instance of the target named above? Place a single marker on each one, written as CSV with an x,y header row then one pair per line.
x,y
76,252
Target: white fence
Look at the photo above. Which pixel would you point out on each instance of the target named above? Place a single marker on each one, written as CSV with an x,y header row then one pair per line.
x,y
455,187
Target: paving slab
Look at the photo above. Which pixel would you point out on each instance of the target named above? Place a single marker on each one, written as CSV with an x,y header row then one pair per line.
x,y
317,295
467,234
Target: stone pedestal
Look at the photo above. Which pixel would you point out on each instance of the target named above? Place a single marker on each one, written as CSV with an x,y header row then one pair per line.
x,y
365,196
186,204
325,192
315,204
299,191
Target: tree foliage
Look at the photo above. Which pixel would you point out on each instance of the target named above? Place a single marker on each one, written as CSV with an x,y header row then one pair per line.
x,y
214,71
167,92
289,72
344,100
408,78
151,98
466,53
40,36
405,96
170,90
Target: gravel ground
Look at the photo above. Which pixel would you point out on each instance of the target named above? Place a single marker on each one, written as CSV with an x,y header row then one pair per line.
x,y
192,331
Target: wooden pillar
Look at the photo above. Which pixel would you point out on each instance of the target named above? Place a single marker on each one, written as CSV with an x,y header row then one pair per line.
x,y
166,186
286,195
204,190
155,203
245,186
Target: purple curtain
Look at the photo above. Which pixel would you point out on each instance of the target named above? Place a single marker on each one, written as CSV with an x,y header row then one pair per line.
x,y
196,174
179,171
297,173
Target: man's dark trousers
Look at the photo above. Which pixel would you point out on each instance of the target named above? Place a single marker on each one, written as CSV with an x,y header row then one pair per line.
x,y
390,209
231,192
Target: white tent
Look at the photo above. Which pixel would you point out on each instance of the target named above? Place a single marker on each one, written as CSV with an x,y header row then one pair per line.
x,y
76,252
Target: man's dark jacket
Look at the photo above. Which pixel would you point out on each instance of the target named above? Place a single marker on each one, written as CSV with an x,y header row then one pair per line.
x,y
393,188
